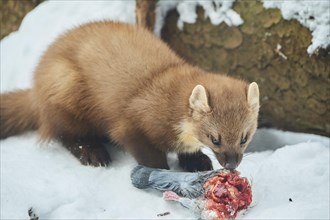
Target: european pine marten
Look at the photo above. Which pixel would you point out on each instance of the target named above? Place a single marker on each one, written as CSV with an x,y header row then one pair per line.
x,y
115,80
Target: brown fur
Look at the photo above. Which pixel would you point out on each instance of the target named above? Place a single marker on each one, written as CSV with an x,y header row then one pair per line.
x,y
120,81
18,113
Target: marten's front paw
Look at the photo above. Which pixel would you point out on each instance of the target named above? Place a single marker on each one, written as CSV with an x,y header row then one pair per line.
x,y
195,162
94,156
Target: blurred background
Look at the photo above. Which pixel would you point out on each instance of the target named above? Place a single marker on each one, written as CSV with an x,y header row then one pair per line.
x,y
294,85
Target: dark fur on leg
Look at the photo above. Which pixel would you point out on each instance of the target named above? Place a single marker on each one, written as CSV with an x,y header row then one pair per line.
x,y
88,151
195,162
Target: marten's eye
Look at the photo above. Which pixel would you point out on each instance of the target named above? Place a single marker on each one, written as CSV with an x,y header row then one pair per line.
x,y
244,140
215,141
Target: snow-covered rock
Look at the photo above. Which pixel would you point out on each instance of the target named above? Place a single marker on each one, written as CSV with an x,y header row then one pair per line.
x,y
217,11
315,15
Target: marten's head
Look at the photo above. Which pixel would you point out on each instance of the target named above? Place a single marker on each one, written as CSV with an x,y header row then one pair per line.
x,y
223,119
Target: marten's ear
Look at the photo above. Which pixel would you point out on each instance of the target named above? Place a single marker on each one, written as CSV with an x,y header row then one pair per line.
x,y
198,100
253,95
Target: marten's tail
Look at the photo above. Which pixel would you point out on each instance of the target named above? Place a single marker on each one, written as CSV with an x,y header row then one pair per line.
x,y
18,113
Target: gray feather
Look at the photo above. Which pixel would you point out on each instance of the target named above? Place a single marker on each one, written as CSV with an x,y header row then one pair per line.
x,y
140,176
183,183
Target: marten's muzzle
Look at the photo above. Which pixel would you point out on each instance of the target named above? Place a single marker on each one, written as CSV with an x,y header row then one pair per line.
x,y
229,160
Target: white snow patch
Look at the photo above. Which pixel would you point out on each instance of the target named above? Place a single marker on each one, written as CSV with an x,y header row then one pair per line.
x,y
53,182
315,15
298,172
272,139
217,11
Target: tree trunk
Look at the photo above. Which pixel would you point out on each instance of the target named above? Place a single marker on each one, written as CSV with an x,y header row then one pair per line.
x,y
267,49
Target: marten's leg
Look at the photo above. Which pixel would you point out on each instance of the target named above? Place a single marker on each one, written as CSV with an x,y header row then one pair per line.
x,y
195,162
82,139
145,153
89,151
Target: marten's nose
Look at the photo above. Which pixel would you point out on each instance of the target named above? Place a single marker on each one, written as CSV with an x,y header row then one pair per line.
x,y
230,166
231,161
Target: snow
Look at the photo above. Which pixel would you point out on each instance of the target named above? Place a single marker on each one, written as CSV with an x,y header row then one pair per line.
x,y
49,179
46,177
295,172
217,11
315,15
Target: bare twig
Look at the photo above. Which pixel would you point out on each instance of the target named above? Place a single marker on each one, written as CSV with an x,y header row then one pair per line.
x,y
279,52
163,214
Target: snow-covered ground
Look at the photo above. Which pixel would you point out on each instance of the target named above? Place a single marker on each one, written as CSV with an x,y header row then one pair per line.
x,y
46,177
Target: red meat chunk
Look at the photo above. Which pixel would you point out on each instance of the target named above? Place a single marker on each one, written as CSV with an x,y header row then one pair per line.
x,y
227,193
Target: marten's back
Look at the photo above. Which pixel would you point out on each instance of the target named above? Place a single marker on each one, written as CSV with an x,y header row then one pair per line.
x,y
100,66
